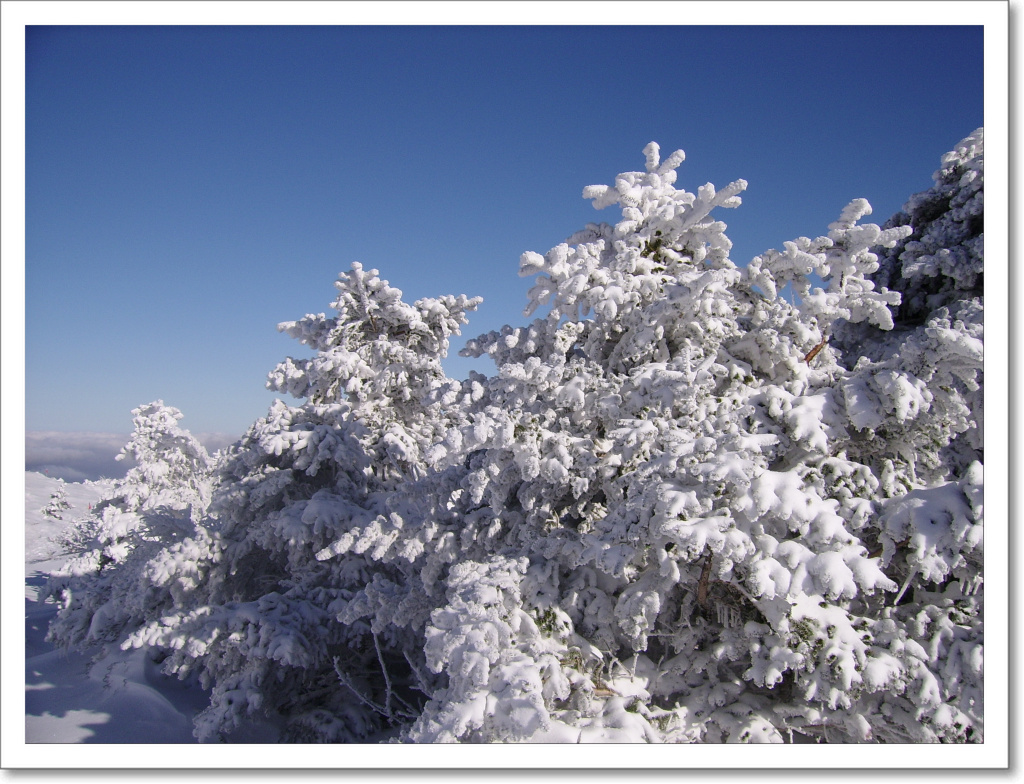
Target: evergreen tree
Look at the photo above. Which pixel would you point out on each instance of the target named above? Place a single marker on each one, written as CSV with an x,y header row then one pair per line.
x,y
713,534
172,469
260,627
105,587
681,509
58,502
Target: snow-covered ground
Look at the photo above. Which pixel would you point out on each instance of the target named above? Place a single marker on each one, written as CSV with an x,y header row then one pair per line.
x,y
120,698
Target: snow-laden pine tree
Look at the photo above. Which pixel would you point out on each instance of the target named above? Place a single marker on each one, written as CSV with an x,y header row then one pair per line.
x,y
103,588
58,503
674,514
255,613
172,469
682,509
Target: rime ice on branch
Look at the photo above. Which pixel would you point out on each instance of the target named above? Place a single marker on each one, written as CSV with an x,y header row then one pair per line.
x,y
680,509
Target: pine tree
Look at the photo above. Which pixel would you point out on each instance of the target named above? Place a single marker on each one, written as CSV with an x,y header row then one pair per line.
x,y
681,509
172,469
106,587
58,502
712,531
261,629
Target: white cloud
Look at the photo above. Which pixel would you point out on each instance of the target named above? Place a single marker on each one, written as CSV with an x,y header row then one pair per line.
x,y
215,441
75,456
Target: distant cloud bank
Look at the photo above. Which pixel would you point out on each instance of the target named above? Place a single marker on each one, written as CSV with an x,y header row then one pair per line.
x,y
215,441
76,457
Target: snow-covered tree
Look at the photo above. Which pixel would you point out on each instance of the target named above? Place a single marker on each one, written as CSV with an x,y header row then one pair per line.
x,y
103,588
921,382
716,536
58,502
681,509
255,612
172,469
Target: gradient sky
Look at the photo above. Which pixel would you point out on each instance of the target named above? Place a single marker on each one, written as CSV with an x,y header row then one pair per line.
x,y
187,188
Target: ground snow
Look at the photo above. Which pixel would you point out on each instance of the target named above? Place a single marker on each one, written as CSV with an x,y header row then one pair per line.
x,y
122,697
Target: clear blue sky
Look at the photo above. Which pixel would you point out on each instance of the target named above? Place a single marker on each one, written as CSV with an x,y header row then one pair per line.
x,y
188,188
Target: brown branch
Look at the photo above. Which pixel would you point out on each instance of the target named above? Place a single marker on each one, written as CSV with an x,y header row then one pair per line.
x,y
878,550
814,351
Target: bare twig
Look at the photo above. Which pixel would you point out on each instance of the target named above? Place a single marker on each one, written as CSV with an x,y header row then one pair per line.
x,y
417,671
346,681
387,679
705,579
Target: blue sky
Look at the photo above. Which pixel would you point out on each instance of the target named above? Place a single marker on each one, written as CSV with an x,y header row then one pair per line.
x,y
187,188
